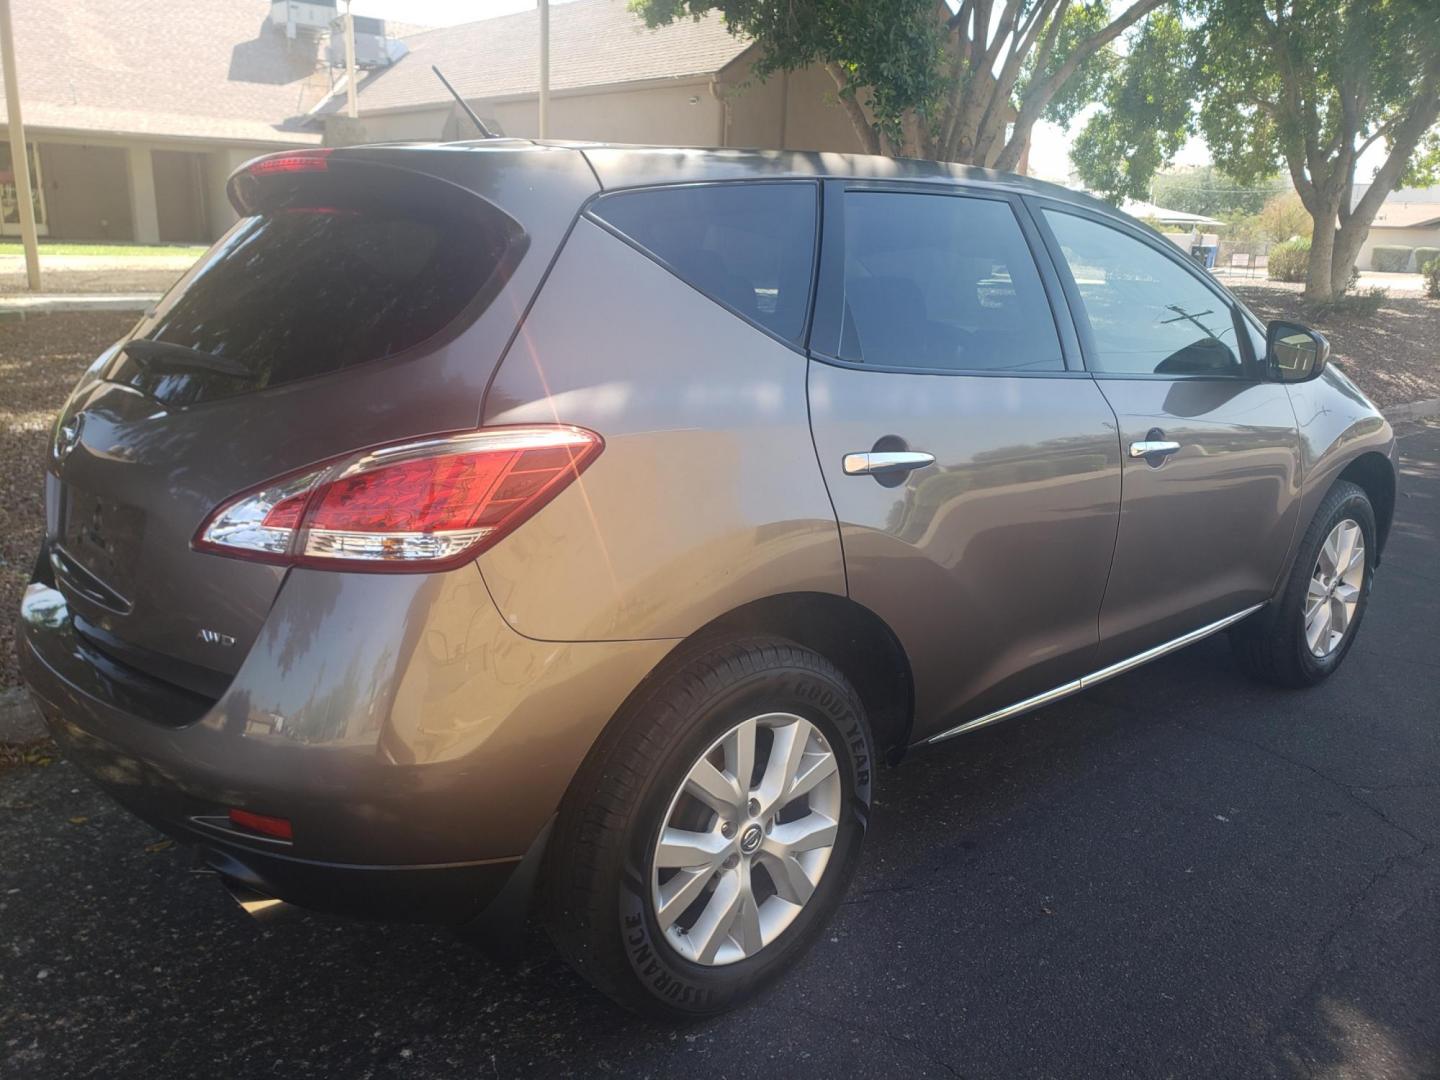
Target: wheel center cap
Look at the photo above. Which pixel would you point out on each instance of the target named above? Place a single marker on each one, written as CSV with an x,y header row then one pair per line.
x,y
750,839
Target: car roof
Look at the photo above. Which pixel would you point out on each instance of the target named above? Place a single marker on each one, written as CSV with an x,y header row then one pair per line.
x,y
619,165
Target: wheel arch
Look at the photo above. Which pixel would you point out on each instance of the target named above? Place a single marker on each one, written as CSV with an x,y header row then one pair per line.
x,y
848,634
1373,472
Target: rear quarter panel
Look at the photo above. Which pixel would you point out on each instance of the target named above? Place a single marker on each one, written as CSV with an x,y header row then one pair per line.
x,y
707,495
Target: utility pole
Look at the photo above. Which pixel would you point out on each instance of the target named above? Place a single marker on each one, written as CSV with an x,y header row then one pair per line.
x,y
19,156
352,108
544,68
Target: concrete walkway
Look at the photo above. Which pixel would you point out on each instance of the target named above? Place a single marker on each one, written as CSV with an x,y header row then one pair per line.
x,y
23,304
95,274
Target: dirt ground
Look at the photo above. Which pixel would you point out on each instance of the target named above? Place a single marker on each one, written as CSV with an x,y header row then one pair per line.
x,y
40,359
1393,355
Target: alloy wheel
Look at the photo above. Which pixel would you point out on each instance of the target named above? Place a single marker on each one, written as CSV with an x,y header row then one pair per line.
x,y
1335,588
746,839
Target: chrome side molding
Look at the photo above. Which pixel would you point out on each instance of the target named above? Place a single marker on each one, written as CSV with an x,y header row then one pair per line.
x,y
1094,678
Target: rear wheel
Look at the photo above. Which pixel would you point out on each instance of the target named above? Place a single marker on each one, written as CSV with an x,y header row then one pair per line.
x,y
714,829
1302,638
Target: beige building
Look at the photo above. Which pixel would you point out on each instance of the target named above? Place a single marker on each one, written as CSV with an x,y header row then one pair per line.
x,y
611,79
1402,223
136,111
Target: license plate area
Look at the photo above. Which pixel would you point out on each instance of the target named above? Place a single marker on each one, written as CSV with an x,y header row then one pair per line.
x,y
100,545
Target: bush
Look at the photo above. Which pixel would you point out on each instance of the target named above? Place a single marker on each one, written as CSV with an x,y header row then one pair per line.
x,y
1390,259
1424,255
1288,260
1431,270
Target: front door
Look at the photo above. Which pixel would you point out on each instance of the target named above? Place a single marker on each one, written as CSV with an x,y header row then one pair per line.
x,y
1211,451
975,476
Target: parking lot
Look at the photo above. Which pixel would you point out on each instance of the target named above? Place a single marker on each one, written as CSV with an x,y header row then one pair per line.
x,y
1176,874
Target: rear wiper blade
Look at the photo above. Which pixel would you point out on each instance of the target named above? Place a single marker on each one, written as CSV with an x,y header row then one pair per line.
x,y
147,351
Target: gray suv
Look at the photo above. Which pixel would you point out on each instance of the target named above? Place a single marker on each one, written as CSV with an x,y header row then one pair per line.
x,y
493,528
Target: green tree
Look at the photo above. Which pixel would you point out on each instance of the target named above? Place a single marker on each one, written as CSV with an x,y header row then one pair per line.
x,y
917,79
1303,85
1151,91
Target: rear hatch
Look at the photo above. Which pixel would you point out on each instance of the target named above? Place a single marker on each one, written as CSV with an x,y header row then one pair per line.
x,y
365,296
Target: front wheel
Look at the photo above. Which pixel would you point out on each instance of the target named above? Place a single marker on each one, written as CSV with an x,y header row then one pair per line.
x,y
714,830
1301,638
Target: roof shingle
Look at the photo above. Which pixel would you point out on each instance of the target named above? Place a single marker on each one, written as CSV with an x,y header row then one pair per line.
x,y
1407,215
211,69
592,43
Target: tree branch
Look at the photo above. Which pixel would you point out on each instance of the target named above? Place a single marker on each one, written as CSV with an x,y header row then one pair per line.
x,y
869,137
1037,97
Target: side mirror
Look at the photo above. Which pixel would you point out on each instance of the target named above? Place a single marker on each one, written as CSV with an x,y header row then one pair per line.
x,y
1294,353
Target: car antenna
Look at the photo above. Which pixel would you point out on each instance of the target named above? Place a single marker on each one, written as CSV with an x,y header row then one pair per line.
x,y
485,132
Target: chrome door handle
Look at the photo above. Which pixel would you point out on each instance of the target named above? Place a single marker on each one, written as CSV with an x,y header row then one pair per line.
x,y
880,462
1146,447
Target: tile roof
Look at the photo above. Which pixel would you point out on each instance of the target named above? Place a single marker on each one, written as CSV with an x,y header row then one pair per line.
x,y
213,69
592,43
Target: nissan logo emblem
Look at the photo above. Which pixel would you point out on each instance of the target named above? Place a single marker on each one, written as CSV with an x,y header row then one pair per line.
x,y
68,435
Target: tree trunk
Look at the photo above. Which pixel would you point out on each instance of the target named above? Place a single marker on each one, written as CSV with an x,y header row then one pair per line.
x,y
1347,248
1319,272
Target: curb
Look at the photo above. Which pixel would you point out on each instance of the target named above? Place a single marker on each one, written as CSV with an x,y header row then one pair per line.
x,y
20,720
1413,410
20,306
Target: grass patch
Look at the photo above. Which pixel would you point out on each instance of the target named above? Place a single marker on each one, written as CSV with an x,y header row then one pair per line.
x,y
127,251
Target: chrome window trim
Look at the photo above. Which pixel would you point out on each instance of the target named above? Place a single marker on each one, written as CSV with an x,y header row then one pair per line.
x,y
1094,678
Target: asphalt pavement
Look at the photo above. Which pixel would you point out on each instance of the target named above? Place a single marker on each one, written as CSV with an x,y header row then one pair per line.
x,y
1177,874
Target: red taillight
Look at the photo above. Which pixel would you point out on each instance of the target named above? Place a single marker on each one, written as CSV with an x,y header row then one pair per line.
x,y
277,828
421,505
292,162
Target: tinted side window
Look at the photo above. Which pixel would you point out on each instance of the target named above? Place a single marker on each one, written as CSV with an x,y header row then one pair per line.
x,y
944,282
1147,314
751,246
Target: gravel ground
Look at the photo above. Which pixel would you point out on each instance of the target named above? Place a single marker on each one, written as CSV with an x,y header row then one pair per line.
x,y
40,359
1394,355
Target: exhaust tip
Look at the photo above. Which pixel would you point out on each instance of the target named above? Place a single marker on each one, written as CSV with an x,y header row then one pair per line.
x,y
257,905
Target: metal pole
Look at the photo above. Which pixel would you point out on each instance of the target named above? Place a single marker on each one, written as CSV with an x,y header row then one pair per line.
x,y
352,109
19,157
544,68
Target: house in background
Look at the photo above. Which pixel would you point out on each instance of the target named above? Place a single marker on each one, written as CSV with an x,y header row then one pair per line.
x,y
1409,217
612,79
137,111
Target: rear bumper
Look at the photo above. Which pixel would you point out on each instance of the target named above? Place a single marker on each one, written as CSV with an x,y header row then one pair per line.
x,y
416,743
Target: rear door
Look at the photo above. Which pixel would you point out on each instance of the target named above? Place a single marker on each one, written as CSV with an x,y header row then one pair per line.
x,y
936,337
352,304
1208,515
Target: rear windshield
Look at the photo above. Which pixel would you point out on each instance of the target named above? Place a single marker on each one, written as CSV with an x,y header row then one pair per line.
x,y
308,290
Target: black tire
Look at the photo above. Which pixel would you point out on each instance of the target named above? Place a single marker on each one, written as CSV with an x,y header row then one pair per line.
x,y
596,892
1270,645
